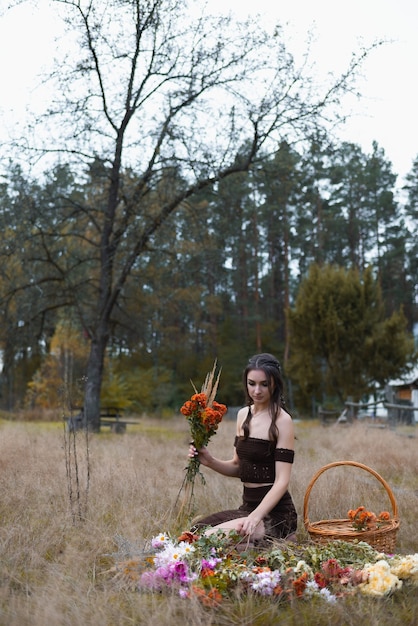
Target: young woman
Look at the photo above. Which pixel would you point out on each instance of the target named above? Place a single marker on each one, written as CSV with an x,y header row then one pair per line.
x,y
262,459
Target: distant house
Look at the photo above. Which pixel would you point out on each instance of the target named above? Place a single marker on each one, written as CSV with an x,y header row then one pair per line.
x,y
404,391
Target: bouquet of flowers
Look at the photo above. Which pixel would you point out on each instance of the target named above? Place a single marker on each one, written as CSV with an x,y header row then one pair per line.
x,y
204,415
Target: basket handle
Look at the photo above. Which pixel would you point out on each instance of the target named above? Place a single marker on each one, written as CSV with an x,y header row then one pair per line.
x,y
354,464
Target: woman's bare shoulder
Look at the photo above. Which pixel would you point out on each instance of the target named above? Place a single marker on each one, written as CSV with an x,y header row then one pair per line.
x,y
284,416
285,422
241,415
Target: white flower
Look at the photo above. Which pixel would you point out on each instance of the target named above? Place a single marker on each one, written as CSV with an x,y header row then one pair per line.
x,y
171,553
266,581
312,588
380,581
185,548
302,567
167,555
160,540
327,595
406,568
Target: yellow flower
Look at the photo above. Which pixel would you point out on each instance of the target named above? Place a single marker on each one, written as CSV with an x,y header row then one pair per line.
x,y
380,581
406,568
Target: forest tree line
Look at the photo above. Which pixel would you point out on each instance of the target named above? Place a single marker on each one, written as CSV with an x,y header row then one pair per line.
x,y
224,277
181,206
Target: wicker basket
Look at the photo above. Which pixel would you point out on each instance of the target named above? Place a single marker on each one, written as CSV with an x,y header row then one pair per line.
x,y
382,539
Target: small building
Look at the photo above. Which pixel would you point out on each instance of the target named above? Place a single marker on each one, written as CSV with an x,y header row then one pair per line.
x,y
404,391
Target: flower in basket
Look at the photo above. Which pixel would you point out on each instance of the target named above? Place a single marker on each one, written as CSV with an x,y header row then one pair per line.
x,y
361,519
204,415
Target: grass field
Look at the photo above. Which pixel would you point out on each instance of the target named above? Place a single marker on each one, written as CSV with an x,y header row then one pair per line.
x,y
55,534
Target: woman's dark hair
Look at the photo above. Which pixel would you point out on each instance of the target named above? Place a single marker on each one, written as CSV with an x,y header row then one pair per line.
x,y
271,368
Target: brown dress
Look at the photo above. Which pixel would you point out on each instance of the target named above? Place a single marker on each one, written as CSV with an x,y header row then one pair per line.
x,y
257,464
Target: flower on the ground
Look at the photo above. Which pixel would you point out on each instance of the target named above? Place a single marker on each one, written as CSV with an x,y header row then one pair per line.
x,y
160,540
211,598
326,595
168,575
299,584
173,552
170,562
380,580
211,568
210,563
405,567
188,536
263,580
302,567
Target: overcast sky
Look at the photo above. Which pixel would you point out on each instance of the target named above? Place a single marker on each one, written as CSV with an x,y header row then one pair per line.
x,y
387,112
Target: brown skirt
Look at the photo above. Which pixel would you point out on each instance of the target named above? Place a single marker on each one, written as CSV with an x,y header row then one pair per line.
x,y
279,523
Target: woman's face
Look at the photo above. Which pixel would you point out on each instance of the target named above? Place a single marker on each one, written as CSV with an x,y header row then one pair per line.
x,y
258,387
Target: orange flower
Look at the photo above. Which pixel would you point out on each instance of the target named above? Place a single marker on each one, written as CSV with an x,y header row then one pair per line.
x,y
130,570
207,572
211,418
366,516
362,519
188,537
188,408
211,598
200,398
277,591
221,408
204,416
384,516
260,569
214,598
299,585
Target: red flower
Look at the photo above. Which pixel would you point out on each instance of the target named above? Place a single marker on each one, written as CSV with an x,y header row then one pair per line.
x,y
320,580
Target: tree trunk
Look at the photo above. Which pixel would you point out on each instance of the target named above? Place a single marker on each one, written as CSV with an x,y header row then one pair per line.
x,y
94,376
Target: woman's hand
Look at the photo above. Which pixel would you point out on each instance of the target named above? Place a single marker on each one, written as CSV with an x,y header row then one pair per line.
x,y
203,454
251,526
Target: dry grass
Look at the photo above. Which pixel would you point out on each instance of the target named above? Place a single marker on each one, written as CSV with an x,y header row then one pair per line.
x,y
52,570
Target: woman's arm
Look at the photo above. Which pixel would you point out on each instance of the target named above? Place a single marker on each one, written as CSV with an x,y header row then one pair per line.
x,y
227,468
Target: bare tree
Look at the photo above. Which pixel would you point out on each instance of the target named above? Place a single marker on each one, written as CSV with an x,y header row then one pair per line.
x,y
164,102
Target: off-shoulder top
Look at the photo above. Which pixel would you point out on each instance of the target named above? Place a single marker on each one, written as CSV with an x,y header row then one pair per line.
x,y
257,459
